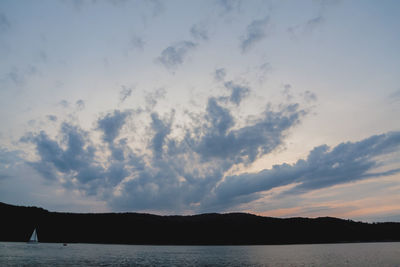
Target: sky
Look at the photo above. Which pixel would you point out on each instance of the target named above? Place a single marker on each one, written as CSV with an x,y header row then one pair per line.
x,y
276,108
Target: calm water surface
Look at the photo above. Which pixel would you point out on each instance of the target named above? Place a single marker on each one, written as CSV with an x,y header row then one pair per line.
x,y
43,254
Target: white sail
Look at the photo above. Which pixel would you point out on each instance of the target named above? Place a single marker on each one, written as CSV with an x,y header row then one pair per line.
x,y
34,237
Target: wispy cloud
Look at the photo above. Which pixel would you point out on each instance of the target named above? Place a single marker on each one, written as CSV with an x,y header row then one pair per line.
x,y
174,55
137,42
324,167
80,104
255,32
4,22
219,74
153,97
238,92
52,118
394,96
125,93
64,103
307,27
199,32
8,160
229,5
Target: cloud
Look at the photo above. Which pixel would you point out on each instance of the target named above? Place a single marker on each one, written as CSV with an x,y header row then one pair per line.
x,y
220,74
286,92
64,103
80,104
255,32
153,97
229,5
172,172
188,171
313,23
51,117
324,167
157,6
4,23
118,2
111,124
244,145
199,32
8,161
124,93
309,96
16,77
307,27
73,156
238,92
161,129
174,55
394,96
137,42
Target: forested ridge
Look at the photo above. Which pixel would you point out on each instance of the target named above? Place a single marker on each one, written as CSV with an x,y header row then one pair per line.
x,y
17,224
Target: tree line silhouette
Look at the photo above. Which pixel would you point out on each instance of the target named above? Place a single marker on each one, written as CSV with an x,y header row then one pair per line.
x,y
17,224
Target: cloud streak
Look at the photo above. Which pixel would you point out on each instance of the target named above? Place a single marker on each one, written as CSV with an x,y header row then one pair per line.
x,y
324,167
256,31
174,55
124,93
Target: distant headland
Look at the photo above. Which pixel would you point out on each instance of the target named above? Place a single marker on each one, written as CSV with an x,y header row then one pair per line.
x,y
18,223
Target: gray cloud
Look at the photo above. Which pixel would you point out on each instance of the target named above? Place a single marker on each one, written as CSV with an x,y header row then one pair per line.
x,y
153,97
220,74
4,22
174,55
199,32
323,167
188,172
161,129
307,27
245,144
286,92
124,93
238,92
73,156
157,6
111,124
8,161
394,96
80,104
229,5
16,77
255,32
309,96
137,42
64,103
173,173
310,25
51,117
314,22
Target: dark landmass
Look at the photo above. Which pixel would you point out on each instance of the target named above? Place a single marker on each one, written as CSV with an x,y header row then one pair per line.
x,y
17,224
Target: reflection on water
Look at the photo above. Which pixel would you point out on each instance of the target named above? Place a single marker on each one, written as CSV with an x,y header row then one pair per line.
x,y
43,254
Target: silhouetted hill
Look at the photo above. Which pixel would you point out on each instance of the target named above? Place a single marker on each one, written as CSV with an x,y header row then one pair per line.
x,y
17,224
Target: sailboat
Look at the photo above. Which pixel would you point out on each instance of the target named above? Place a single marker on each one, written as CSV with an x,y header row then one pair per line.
x,y
34,237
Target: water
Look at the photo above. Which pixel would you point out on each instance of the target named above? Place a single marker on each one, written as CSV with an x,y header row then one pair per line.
x,y
44,254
